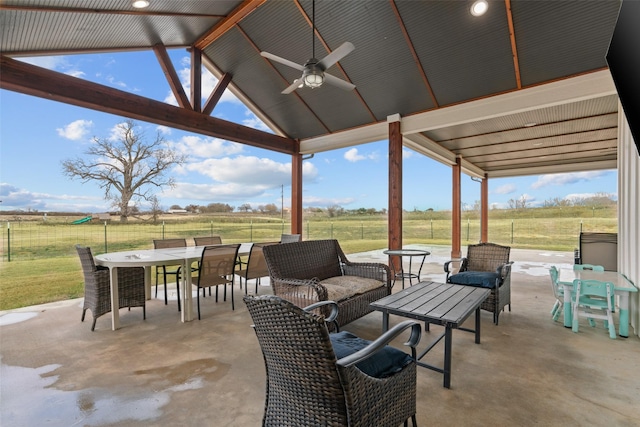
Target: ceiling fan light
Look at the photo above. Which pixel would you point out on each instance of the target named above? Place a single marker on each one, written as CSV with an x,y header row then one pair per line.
x,y
479,7
313,79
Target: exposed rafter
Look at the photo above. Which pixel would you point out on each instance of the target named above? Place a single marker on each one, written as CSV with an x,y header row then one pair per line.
x,y
172,76
228,23
36,81
216,94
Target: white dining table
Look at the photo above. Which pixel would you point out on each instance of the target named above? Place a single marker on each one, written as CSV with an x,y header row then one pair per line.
x,y
147,258
622,287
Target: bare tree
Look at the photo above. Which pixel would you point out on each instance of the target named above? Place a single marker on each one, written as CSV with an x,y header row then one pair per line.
x,y
128,168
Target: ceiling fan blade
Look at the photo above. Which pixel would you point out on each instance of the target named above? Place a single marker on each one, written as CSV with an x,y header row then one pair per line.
x,y
342,84
293,86
343,50
286,62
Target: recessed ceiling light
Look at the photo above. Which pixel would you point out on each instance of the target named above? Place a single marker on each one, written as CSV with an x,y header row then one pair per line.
x,y
479,7
140,4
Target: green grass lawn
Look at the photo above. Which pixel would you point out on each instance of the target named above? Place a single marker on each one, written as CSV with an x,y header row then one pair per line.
x,y
44,266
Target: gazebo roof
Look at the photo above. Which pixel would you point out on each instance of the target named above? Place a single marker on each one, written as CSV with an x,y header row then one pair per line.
x,y
523,89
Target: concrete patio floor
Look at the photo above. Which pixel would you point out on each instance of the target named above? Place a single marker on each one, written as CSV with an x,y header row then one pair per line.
x,y
528,370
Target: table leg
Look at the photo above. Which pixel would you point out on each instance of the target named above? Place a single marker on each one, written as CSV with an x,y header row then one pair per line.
x,y
147,283
447,356
623,329
567,306
115,303
385,322
187,300
478,325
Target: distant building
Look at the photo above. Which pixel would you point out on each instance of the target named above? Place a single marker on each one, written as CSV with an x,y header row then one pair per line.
x,y
177,211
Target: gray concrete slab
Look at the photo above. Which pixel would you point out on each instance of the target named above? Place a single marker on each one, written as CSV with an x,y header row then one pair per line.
x,y
529,370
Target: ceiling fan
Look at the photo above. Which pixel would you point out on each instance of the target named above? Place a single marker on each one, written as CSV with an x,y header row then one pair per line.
x,y
313,71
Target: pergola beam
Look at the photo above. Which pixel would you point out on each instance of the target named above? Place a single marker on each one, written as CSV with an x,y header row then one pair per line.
x,y
25,78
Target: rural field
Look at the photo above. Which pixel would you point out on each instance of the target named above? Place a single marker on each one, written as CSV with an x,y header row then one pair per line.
x,y
39,263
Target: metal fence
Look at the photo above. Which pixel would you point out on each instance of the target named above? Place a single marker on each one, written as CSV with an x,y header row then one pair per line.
x,y
24,240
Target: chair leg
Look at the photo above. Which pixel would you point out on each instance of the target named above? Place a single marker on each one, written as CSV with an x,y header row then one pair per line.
x,y
225,290
164,274
93,326
84,310
413,420
198,293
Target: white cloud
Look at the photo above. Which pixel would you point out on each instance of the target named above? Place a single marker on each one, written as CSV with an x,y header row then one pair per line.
x,y
407,153
253,121
204,147
76,130
14,198
165,130
223,192
352,155
505,189
250,170
313,201
48,62
567,178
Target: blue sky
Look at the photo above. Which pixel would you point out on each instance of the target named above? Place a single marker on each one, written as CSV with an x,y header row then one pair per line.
x,y
36,135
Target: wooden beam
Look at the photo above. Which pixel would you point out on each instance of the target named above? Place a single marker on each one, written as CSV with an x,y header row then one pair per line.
x,y
514,46
171,76
196,79
296,194
217,93
25,78
395,190
228,23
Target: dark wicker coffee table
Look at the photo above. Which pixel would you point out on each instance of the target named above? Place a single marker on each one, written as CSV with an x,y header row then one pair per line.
x,y
438,303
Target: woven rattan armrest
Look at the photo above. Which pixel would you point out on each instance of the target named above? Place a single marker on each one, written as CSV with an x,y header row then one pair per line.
x,y
383,340
377,271
333,314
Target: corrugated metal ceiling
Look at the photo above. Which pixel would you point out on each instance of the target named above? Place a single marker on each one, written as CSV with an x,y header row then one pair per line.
x,y
411,58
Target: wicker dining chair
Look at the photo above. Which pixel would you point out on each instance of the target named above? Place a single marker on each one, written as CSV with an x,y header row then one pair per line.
x,y
486,265
255,267
311,382
207,240
97,288
216,268
164,244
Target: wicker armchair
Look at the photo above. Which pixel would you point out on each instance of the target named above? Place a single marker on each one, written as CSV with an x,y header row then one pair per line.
x,y
486,265
318,270
97,291
309,385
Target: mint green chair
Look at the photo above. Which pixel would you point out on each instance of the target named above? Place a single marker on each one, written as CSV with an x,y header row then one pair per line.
x,y
558,292
595,300
588,267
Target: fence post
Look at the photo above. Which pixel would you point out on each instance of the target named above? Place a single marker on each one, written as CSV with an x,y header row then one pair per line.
x,y
361,230
105,237
162,230
308,234
8,241
511,231
250,231
432,229
211,228
332,229
468,226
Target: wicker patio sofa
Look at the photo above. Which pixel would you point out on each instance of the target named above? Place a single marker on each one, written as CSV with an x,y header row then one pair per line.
x,y
318,270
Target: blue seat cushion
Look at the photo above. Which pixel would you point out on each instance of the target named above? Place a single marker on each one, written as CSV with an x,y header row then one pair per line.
x,y
382,364
481,279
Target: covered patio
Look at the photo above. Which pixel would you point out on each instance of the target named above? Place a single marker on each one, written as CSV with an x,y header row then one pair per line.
x,y
529,370
522,90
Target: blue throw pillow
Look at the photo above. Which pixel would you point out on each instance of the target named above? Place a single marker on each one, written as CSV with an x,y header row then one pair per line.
x,y
482,279
383,364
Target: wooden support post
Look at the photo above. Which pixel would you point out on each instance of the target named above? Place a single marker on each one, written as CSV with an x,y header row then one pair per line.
x,y
395,187
484,209
296,194
455,209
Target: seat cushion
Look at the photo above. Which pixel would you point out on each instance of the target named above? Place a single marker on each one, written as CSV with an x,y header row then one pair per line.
x,y
342,287
383,364
481,279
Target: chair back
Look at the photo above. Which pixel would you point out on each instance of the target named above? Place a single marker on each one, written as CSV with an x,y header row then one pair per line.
x,y
87,262
169,243
207,240
217,265
303,384
256,264
290,238
593,267
487,256
304,260
587,290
